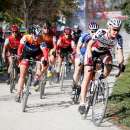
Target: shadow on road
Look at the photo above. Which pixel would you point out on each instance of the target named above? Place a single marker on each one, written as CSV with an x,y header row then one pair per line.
x,y
48,106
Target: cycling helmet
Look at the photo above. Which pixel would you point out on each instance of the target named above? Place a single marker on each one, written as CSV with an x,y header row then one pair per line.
x,y
114,22
93,26
35,29
1,30
46,25
76,26
67,30
14,28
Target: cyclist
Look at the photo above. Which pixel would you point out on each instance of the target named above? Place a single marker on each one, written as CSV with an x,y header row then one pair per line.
x,y
76,33
10,46
65,45
1,47
80,52
49,51
30,47
99,46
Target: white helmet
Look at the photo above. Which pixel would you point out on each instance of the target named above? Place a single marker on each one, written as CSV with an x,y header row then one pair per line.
x,y
114,22
76,26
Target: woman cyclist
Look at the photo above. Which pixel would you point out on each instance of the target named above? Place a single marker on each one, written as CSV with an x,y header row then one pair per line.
x,y
99,46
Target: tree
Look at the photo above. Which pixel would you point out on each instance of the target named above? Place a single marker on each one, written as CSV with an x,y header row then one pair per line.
x,y
36,11
126,11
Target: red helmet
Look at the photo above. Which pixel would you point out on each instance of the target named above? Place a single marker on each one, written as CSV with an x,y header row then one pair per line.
x,y
14,28
68,31
1,30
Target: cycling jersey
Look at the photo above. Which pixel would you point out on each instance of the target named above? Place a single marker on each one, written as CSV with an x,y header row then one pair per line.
x,y
65,42
49,40
76,35
85,37
104,43
29,46
12,42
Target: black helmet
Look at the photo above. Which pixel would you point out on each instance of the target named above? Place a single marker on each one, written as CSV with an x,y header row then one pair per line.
x,y
35,29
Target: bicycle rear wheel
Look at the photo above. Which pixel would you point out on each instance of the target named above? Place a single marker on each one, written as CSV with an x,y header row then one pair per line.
x,y
90,97
62,76
26,94
12,79
42,85
100,101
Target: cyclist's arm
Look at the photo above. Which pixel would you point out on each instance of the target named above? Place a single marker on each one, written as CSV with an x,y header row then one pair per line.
x,y
21,46
78,47
6,43
119,50
54,42
89,48
73,46
120,56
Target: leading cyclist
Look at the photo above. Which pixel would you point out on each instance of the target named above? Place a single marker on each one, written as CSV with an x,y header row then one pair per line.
x,y
99,46
30,47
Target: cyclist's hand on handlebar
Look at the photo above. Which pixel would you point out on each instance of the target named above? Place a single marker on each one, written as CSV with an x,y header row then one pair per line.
x,y
89,61
44,61
19,57
122,67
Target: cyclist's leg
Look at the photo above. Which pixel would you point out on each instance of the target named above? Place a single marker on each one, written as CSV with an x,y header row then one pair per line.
x,y
9,60
40,70
107,59
88,73
77,70
59,62
23,71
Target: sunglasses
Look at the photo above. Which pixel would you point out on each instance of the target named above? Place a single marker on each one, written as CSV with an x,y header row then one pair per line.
x,y
45,28
116,30
14,31
93,31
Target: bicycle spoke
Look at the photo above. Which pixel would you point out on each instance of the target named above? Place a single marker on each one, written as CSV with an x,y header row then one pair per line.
x,y
100,102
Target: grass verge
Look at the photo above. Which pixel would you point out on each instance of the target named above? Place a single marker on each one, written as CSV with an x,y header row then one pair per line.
x,y
119,102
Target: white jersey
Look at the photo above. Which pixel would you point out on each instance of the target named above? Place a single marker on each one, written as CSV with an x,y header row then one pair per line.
x,y
104,43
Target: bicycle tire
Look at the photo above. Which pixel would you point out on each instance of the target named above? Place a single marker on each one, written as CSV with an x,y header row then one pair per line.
x,y
91,92
26,94
76,97
100,101
42,85
62,77
12,80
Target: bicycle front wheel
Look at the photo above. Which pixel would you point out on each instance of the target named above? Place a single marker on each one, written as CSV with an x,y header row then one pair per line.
x,y
26,94
100,101
42,85
12,79
62,76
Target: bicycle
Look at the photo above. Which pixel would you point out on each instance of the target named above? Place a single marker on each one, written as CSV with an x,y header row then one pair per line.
x,y
42,84
98,93
27,85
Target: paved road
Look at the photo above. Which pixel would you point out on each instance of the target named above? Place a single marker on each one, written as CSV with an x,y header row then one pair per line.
x,y
54,112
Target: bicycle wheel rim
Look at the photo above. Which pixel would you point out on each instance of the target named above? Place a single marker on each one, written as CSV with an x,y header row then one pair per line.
x,y
62,77
26,94
12,80
42,88
100,102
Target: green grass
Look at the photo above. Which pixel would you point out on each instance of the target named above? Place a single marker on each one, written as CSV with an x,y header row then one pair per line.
x,y
119,101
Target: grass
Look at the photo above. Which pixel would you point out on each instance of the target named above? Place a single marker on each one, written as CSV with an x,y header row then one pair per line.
x,y
119,101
